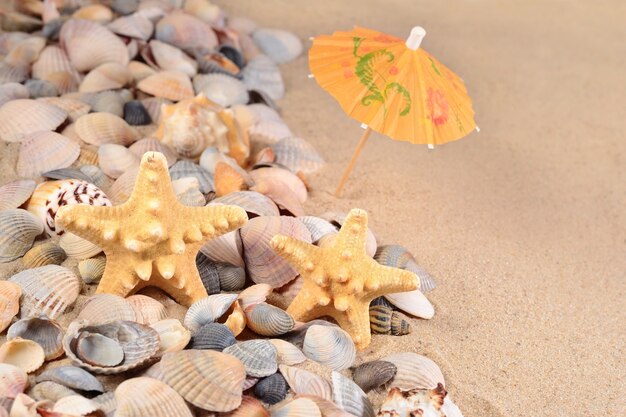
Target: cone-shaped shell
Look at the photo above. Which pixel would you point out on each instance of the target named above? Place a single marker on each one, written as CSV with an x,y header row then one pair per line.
x,y
100,128
287,353
13,381
49,290
255,204
10,294
147,310
208,379
208,310
19,118
298,155
262,263
45,151
301,407
72,377
105,308
91,270
15,193
172,85
412,302
186,32
330,346
258,356
18,230
23,353
46,333
414,371
268,320
173,336
350,396
139,397
213,336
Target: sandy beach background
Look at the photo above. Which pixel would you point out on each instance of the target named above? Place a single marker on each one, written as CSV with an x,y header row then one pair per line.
x,y
523,225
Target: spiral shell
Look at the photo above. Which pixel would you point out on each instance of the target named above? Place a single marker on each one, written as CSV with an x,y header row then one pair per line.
x,y
18,230
330,346
258,356
46,333
139,397
267,320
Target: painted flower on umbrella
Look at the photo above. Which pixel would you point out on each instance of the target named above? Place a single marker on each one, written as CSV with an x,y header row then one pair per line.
x,y
438,106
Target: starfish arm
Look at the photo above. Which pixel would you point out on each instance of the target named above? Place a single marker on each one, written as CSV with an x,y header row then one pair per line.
x,y
300,255
214,221
355,321
308,304
117,279
385,279
353,233
152,180
94,223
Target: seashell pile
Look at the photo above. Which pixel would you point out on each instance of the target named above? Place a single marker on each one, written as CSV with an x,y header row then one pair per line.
x,y
87,89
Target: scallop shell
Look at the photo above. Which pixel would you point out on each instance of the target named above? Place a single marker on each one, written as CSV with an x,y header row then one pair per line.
x,y
255,204
280,193
41,88
12,74
415,371
50,391
301,407
95,12
139,343
75,404
12,91
208,379
78,248
399,324
412,302
267,320
183,169
106,308
23,405
74,108
272,389
13,381
139,70
350,397
139,397
280,45
287,353
399,257
89,44
22,117
221,89
91,270
53,59
254,294
135,114
263,74
258,356
65,81
262,263
15,193
330,346
172,85
153,145
208,310
98,177
72,377
371,375
18,230
110,102
213,336
107,76
98,350
101,128
45,151
67,174
123,186
186,32
170,58
208,273
147,310
172,335
46,333
298,155
25,52
23,353
231,278
292,181
114,159
269,131
10,294
250,407
226,248
133,26
218,63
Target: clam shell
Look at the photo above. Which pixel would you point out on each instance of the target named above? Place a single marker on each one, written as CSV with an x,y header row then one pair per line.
x,y
254,294
172,335
46,333
287,353
399,257
45,151
318,227
228,180
107,76
98,350
208,273
172,85
208,310
72,377
186,32
123,186
65,81
12,74
13,381
292,181
263,74
50,391
327,407
22,117
12,91
106,308
98,177
415,371
10,294
255,204
89,44
41,88
53,59
267,320
226,248
374,374
75,404
350,397
139,70
170,58
49,290
133,26
330,346
191,198
272,389
23,405
205,11
153,105
213,336
207,379
135,114
301,407
25,52
91,270
147,310
231,278
139,343
280,45
15,193
380,319
183,169
110,102
114,159
262,263
212,155
101,128
298,155
399,324
153,145
139,397
280,193
258,356
236,320
218,63
74,108
23,353
269,131
18,230
78,248
221,89
250,407
412,302
95,12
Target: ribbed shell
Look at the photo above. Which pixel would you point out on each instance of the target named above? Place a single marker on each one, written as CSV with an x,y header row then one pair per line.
x,y
182,169
208,310
399,257
104,308
100,128
208,273
15,193
153,145
136,114
147,309
13,381
255,204
115,159
67,174
186,32
48,290
23,353
19,118
305,382
268,320
74,108
41,88
226,248
254,294
232,278
10,294
140,397
91,269
318,227
12,91
221,89
172,85
415,371
133,26
173,336
99,350
258,356
72,377
18,230
45,151
330,346
291,180
399,324
77,247
170,58
107,76
371,375
250,407
46,333
261,73
213,336
208,379
298,155
287,353
350,396
51,391
75,404
301,407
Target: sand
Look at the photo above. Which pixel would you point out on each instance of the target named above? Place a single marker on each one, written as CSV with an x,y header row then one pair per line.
x,y
523,224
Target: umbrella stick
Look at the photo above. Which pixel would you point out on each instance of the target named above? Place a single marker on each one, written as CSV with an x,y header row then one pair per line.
x,y
355,155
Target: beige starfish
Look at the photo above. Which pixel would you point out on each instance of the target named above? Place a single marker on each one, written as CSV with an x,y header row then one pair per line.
x,y
340,279
152,239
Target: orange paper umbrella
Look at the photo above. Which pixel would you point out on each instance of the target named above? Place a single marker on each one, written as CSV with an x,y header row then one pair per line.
x,y
392,86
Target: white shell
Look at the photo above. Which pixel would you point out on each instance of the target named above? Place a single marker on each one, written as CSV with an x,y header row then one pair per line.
x,y
305,382
287,353
173,335
412,302
104,308
139,397
263,74
415,371
350,396
208,310
300,407
170,58
330,346
19,118
114,159
45,151
221,89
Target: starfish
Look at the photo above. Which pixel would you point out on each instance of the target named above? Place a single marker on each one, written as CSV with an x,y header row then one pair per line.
x,y
151,239
340,279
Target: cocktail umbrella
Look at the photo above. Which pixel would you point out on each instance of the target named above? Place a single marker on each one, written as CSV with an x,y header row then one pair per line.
x,y
391,86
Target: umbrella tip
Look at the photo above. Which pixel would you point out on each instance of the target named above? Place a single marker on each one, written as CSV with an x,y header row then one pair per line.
x,y
415,38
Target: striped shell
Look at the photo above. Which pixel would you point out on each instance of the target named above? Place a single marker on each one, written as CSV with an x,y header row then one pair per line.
x,y
371,375
267,320
318,227
72,377
254,294
272,389
46,333
415,371
45,151
49,290
232,278
91,269
305,382
350,397
263,74
173,336
10,294
287,353
208,273
172,85
47,253
208,310
100,128
15,193
139,397
330,346
18,230
255,204
22,117
136,114
51,391
105,308
399,257
258,356
399,324
298,155
184,169
74,108
147,309
23,353
380,319
213,336
226,248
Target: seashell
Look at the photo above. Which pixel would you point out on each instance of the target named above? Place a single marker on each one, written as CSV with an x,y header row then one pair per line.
x,y
205,11
207,379
330,346
8,40
98,177
427,283
66,174
183,169
18,230
258,356
228,180
107,76
138,397
380,319
250,407
45,151
77,247
255,204
23,405
52,60
89,45
75,404
399,324
412,302
218,63
272,389
417,402
139,344
254,294
65,81
186,32
13,381
226,248
221,89
25,52
242,24
102,128
15,193
108,102
46,333
19,118
135,114
114,159
292,181
172,85
238,138
208,310
269,131
290,290
261,97
23,353
299,332
350,397
231,278
280,45
12,91
106,308
74,108
301,407
208,273
267,320
263,74
123,186
91,269
399,257
147,310
192,198
139,70
236,320
287,353
172,335
51,195
415,371
327,407
280,193
212,155
305,382
318,227
72,377
98,350
126,7
262,263
153,145
214,336
12,74
10,294
95,12
133,26
170,58
51,391
298,155
371,375
41,88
